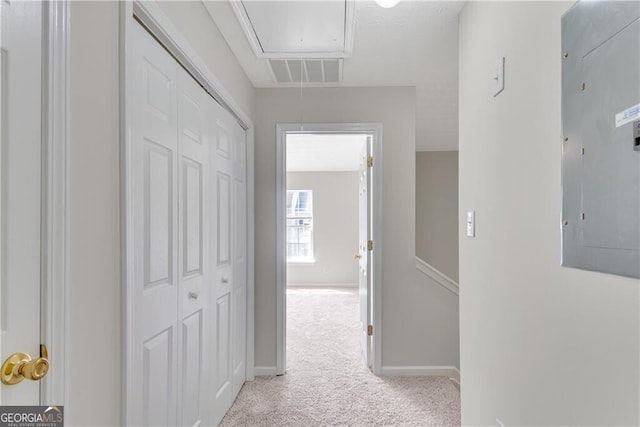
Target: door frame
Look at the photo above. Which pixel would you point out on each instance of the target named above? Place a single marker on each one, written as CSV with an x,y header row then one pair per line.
x,y
282,130
55,199
149,14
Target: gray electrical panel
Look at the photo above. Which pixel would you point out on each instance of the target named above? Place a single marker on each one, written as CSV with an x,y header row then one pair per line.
x,y
601,137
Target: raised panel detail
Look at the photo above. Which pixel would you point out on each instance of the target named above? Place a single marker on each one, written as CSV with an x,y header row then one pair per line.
x,y
222,345
241,220
192,216
224,218
223,141
192,376
240,157
158,90
239,315
190,118
157,384
157,214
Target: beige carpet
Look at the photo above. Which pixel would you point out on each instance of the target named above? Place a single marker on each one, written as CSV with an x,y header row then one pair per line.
x,y
327,383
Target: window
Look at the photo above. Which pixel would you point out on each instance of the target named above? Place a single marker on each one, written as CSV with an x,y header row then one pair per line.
x,y
299,226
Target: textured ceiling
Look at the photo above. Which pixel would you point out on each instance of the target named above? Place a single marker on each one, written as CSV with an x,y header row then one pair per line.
x,y
412,44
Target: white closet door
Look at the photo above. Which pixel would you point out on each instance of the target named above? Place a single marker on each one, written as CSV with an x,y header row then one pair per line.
x,y
154,159
188,312
239,297
193,251
222,179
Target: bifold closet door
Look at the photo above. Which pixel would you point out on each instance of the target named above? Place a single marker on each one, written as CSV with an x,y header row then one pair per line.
x,y
229,243
170,309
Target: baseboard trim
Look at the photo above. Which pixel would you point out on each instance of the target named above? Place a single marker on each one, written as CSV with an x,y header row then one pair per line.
x,y
265,371
321,285
421,371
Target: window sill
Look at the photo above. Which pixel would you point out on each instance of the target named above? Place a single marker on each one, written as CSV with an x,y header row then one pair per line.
x,y
301,262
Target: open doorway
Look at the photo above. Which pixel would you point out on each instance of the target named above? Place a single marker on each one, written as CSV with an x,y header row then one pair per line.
x,y
327,210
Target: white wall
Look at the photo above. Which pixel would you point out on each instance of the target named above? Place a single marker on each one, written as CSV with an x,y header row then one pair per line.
x,y
335,228
540,344
95,310
437,210
419,318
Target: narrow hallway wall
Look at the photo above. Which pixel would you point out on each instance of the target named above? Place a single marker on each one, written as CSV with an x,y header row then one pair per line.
x,y
419,319
541,344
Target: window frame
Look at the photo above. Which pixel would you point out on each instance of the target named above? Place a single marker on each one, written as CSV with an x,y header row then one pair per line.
x,y
310,259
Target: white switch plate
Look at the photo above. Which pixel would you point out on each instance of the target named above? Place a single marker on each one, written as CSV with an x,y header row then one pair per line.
x,y
498,78
471,223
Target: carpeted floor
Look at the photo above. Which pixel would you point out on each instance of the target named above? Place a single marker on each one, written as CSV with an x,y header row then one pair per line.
x,y
327,383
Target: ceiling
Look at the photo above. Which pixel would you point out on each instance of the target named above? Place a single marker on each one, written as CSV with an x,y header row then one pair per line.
x,y
412,44
324,153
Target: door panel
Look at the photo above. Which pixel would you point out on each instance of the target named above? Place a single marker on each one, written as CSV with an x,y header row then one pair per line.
x,y
192,349
194,265
158,252
155,212
223,279
158,389
223,181
223,345
20,196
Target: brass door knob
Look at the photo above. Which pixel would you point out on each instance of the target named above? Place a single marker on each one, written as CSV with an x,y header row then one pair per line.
x,y
357,256
19,366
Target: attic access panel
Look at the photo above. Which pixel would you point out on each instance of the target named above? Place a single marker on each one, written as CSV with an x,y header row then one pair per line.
x,y
600,161
297,29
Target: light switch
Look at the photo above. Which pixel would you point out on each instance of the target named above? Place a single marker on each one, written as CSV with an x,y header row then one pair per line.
x,y
498,78
471,224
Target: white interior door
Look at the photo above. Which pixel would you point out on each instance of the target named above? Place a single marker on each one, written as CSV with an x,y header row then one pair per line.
x,y
154,314
193,252
222,177
364,236
189,214
20,188
171,307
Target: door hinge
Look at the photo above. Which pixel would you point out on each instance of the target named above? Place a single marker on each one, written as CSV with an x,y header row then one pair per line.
x,y
370,245
369,330
370,161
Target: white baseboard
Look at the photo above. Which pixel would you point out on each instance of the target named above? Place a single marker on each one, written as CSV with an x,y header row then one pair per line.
x,y
421,371
322,285
265,371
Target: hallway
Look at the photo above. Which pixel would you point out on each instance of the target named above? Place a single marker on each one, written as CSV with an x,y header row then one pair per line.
x,y
328,384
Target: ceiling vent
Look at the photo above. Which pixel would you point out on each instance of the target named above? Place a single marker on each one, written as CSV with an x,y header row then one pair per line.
x,y
306,70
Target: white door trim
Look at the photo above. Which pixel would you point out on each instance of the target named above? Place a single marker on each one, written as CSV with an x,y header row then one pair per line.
x,y
282,130
55,198
152,17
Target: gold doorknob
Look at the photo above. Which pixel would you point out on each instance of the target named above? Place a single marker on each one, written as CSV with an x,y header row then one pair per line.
x,y
357,256
19,366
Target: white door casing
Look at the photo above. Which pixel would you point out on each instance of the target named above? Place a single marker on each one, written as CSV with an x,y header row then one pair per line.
x,y
374,260
364,264
21,191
